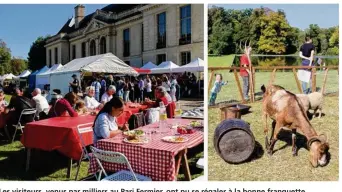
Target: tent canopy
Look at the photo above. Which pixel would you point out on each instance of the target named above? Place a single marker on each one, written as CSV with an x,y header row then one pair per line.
x,y
195,65
142,71
149,65
32,77
165,67
9,76
24,73
105,63
44,77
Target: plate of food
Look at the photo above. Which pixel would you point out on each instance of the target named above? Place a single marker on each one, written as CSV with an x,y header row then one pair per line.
x,y
194,114
137,140
184,129
175,139
196,124
134,133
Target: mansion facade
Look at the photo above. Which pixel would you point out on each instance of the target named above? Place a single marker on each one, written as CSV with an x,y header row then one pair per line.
x,y
136,33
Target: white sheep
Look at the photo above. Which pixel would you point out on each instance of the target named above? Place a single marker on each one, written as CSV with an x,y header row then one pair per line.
x,y
313,101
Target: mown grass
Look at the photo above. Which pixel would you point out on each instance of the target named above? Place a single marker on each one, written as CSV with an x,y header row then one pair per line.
x,y
221,61
282,166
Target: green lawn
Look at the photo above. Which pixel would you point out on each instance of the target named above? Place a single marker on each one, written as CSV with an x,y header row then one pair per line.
x,y
221,61
281,166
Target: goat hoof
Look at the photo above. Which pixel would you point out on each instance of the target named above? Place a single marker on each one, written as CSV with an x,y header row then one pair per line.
x,y
269,152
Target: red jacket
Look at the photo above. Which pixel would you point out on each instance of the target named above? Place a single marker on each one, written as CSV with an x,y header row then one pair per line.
x,y
61,107
244,61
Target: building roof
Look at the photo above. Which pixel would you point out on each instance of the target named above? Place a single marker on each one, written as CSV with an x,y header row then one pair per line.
x,y
108,10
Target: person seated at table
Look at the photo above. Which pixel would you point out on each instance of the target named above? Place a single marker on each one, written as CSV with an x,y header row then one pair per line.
x,y
80,107
55,96
3,102
162,96
105,124
90,101
64,105
108,95
18,103
42,105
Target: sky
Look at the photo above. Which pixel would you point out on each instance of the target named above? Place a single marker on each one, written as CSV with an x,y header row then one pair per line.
x,y
22,24
300,15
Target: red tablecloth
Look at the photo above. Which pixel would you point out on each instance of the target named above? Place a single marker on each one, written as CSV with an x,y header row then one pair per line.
x,y
58,133
128,111
155,159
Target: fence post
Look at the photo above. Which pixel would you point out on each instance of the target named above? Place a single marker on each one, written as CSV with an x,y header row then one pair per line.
x,y
313,79
297,81
325,80
210,81
239,86
253,69
272,76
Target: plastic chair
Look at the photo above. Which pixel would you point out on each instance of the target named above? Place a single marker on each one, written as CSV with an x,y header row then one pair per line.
x,y
200,163
116,157
82,129
25,112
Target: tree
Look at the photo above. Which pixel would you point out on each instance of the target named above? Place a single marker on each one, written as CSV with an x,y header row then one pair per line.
x,y
18,65
5,58
37,54
274,31
334,43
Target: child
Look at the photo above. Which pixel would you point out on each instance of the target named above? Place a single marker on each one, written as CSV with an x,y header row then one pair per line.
x,y
80,107
216,89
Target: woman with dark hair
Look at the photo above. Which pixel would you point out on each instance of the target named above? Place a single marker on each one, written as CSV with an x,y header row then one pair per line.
x,y
64,105
105,124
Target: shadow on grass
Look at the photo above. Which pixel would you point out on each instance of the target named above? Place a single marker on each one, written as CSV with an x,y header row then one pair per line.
x,y
12,164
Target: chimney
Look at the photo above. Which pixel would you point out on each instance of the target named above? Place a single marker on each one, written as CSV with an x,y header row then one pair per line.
x,y
79,14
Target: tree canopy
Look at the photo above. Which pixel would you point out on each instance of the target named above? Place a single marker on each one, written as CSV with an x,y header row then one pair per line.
x,y
37,54
268,30
8,64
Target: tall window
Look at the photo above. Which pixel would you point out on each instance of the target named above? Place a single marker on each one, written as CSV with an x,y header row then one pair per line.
x,y
74,52
161,22
84,49
126,42
185,23
185,57
103,45
56,55
50,57
161,58
92,48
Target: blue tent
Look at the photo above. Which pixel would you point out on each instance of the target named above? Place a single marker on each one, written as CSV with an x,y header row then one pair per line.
x,y
32,77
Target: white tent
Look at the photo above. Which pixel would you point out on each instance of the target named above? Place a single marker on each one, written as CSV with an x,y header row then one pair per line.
x,y
149,65
44,77
9,76
165,67
195,65
105,63
24,73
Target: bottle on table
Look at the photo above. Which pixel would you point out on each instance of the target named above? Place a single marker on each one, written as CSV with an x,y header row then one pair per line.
x,y
162,115
178,110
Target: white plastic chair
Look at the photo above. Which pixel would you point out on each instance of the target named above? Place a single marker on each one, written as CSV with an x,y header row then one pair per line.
x,y
25,112
116,157
82,129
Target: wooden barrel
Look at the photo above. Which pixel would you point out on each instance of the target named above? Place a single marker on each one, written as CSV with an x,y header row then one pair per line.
x,y
229,112
234,141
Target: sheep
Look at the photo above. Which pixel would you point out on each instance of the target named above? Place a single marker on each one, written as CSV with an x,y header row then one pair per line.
x,y
312,101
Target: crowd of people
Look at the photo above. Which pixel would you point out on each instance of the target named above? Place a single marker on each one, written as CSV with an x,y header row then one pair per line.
x,y
101,96
139,88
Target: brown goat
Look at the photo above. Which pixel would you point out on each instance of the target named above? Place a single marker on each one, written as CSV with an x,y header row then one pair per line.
x,y
287,111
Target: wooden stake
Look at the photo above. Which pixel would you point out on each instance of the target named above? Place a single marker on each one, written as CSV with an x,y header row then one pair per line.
x,y
313,79
210,81
297,81
239,86
272,76
324,81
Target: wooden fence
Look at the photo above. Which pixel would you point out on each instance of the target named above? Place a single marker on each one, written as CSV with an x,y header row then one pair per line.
x,y
274,69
